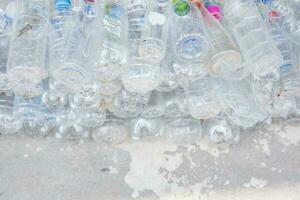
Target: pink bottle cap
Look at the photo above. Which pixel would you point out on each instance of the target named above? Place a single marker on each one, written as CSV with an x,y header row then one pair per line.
x,y
215,11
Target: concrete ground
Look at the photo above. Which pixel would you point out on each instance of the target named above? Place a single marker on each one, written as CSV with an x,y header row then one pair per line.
x,y
264,165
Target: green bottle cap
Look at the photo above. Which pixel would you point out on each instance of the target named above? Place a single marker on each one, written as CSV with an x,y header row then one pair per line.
x,y
182,7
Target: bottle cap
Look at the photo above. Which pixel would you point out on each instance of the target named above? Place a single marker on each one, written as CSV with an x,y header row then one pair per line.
x,y
62,5
182,7
215,11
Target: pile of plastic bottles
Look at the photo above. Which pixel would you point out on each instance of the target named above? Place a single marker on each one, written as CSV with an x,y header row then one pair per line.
x,y
118,69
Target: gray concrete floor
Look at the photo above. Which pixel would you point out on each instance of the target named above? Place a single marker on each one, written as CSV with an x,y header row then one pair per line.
x,y
264,165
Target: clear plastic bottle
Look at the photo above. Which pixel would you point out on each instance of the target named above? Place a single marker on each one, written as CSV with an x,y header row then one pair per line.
x,y
201,99
283,108
189,36
68,63
114,131
136,10
27,54
183,130
252,35
9,124
220,130
30,112
113,25
68,127
175,105
289,11
5,36
126,105
154,37
146,127
239,104
138,75
170,80
149,123
289,72
224,57
85,105
54,101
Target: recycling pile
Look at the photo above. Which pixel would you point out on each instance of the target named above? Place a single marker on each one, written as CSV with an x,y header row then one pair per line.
x,y
112,70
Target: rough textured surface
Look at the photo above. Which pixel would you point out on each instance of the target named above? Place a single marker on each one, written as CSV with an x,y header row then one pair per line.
x,y
266,164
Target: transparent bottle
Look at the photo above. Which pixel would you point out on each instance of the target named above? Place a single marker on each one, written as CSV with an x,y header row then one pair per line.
x,y
175,104
170,80
283,108
27,53
252,35
201,99
30,112
126,105
138,75
9,124
154,38
155,106
136,10
54,101
68,128
189,36
288,70
113,25
146,127
289,11
68,63
5,36
185,130
220,130
114,131
85,105
239,104
224,57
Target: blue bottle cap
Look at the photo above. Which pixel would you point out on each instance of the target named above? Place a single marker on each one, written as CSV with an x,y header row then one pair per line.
x,y
62,5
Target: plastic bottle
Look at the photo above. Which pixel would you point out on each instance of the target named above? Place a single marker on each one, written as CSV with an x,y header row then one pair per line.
x,y
30,112
224,57
68,128
113,131
136,10
201,99
27,54
68,63
85,105
185,130
189,36
175,105
9,124
5,36
289,72
239,104
138,75
289,12
252,35
126,105
155,33
220,130
113,27
146,127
